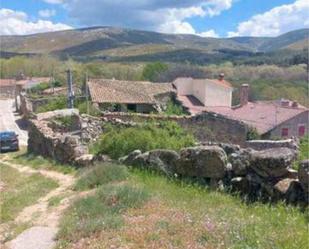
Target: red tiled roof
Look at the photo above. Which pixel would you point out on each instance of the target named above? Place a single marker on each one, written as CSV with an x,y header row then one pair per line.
x,y
263,115
32,81
7,82
126,92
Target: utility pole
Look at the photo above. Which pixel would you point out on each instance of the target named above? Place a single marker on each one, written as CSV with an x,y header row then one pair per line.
x,y
70,89
87,92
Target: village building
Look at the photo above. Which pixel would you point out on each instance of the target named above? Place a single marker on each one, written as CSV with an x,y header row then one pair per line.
x,y
13,87
204,92
130,96
272,119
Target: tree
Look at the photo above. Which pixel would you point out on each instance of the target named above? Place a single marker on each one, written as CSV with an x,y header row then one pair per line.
x,y
152,70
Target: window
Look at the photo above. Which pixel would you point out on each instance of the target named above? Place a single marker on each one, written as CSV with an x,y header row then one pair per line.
x,y
284,132
131,107
301,130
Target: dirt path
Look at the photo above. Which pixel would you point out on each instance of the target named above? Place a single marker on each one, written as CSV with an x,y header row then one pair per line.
x,y
44,219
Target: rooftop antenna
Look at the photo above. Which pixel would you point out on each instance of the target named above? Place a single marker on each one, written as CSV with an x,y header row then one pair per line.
x,y
70,89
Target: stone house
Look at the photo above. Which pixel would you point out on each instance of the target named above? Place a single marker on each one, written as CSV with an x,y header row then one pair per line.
x,y
208,92
130,96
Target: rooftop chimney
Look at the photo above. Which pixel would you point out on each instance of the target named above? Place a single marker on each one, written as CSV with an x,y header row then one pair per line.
x,y
295,104
285,103
244,94
221,76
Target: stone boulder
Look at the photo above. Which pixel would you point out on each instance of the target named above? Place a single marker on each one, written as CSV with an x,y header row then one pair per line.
x,y
84,160
229,148
289,190
240,162
272,162
163,161
128,160
303,174
202,161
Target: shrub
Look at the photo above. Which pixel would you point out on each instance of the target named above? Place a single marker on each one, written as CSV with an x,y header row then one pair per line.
x,y
252,134
304,148
55,104
101,174
166,135
152,70
82,107
174,109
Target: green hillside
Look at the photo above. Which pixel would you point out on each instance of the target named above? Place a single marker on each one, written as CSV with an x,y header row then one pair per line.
x,y
117,44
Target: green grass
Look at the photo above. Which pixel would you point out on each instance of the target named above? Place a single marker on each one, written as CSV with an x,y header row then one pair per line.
x,y
240,225
99,212
178,214
38,162
54,201
304,148
101,174
15,229
21,190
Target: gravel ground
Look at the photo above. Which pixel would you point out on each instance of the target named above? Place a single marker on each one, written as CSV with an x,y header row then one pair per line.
x,y
35,238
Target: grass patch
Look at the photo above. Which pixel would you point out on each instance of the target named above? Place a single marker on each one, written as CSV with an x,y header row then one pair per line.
x,y
101,174
100,212
21,190
118,142
226,219
38,162
14,230
54,201
304,148
179,215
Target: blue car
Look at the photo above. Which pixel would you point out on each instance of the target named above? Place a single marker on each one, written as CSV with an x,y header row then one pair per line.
x,y
8,141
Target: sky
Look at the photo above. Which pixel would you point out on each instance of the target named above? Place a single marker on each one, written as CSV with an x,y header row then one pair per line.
x,y
207,18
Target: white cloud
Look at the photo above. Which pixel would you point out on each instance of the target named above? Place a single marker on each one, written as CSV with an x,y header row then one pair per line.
x,y
47,13
169,16
208,33
17,23
276,21
54,1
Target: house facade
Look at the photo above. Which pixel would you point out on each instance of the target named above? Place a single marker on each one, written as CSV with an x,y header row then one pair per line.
x,y
210,92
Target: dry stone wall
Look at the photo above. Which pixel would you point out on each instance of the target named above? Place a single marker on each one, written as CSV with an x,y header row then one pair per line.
x,y
258,175
48,141
205,127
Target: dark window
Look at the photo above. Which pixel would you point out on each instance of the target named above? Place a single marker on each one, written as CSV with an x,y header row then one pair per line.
x,y
284,132
131,107
301,130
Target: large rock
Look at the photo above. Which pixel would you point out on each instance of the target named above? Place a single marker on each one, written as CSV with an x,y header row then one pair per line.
x,y
271,144
272,162
202,161
163,161
84,160
240,162
289,190
303,174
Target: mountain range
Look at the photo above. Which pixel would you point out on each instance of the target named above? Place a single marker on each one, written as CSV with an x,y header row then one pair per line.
x,y
119,44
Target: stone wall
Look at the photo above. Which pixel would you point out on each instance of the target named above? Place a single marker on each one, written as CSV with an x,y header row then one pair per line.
x,y
270,144
205,127
265,175
49,142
